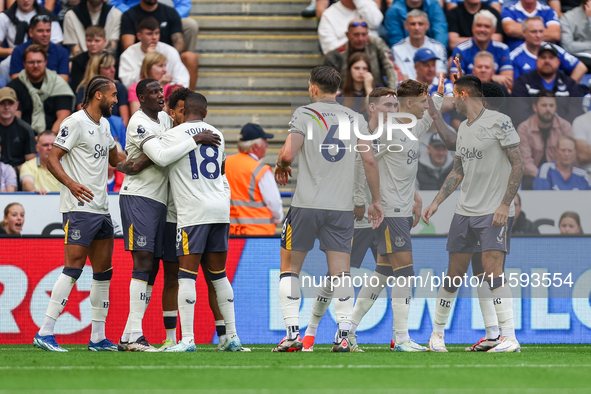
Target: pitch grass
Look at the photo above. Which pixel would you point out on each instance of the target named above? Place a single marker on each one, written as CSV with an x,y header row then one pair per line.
x,y
537,369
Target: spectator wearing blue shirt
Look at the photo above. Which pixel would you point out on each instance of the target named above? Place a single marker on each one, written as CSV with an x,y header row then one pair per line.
x,y
40,33
524,56
483,29
562,174
426,69
396,16
514,14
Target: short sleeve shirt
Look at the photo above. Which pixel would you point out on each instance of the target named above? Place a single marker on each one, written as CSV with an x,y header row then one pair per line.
x,y
525,61
17,141
460,21
516,13
87,144
486,167
153,181
169,19
469,49
58,58
326,161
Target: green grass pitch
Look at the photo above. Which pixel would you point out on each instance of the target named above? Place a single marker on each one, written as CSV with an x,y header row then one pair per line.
x,y
537,369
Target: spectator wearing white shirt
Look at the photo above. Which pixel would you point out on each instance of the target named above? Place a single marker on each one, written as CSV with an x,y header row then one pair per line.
x,y
91,13
417,25
131,60
335,20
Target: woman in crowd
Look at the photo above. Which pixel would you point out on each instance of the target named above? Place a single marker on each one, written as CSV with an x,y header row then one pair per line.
x,y
570,223
358,83
14,219
104,64
153,66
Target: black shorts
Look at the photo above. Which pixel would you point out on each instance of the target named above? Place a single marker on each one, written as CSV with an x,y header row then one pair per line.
x,y
143,221
302,226
203,238
363,239
82,228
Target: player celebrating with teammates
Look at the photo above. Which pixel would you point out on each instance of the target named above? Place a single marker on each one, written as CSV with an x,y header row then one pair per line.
x,y
143,200
82,152
202,196
488,161
322,204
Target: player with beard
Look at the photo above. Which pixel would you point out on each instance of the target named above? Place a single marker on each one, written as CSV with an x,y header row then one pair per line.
x,y
143,200
488,159
79,160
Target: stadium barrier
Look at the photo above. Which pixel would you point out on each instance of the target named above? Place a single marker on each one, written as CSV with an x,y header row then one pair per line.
x,y
30,266
544,208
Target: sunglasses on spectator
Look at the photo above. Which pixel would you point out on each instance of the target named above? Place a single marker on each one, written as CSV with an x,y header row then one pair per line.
x,y
357,24
42,18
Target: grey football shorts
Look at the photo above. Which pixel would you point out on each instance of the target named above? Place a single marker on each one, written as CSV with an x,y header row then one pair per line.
x,y
203,238
363,239
471,234
394,235
302,226
82,228
143,221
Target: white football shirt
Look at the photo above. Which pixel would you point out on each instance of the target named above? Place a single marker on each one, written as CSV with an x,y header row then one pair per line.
x,y
399,165
87,144
196,179
486,167
153,181
326,163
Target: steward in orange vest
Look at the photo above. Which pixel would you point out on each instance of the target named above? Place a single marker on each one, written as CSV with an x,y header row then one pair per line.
x,y
251,212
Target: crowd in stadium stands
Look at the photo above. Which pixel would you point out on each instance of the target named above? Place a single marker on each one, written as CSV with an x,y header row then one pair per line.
x,y
530,49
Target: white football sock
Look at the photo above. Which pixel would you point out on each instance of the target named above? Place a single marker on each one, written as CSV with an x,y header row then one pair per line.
x,y
186,299
401,297
225,298
148,295
99,300
344,298
290,297
366,298
489,314
321,303
59,297
504,309
137,306
445,301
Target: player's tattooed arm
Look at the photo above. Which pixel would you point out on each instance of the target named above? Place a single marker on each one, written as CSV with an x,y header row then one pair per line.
x,y
514,155
449,185
451,182
178,42
135,166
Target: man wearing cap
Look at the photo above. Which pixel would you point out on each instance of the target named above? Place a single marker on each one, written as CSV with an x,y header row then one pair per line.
x,y
483,28
434,167
255,205
16,137
417,25
425,68
374,47
524,56
546,76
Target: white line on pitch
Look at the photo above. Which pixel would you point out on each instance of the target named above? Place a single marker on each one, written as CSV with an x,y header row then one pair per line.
x,y
197,367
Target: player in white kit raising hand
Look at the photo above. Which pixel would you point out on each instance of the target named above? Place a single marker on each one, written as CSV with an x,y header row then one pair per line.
x,y
201,195
79,160
489,164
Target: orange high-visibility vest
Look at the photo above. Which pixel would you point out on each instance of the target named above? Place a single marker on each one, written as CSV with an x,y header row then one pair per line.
x,y
248,213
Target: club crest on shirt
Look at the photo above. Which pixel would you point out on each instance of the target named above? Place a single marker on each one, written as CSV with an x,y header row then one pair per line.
x,y
64,132
75,235
141,241
399,241
481,134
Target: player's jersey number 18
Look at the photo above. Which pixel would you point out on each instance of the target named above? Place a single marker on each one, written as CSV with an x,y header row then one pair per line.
x,y
205,152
